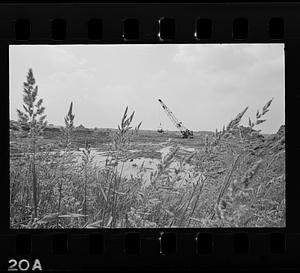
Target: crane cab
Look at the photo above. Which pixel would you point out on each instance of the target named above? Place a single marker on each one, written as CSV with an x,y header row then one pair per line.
x,y
187,134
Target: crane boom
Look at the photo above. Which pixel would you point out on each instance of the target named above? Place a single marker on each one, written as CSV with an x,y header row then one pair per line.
x,y
186,133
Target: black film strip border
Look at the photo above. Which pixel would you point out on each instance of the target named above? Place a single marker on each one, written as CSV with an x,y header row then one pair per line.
x,y
156,250
149,23
159,23
166,31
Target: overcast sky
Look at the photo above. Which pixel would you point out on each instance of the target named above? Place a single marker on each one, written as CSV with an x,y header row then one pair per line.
x,y
204,85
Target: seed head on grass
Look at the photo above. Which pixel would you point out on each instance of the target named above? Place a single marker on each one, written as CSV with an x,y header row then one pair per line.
x,y
69,126
137,128
33,118
121,138
233,124
69,119
266,107
264,110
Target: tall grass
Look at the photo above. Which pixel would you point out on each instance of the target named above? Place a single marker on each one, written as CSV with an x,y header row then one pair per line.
x,y
32,122
224,183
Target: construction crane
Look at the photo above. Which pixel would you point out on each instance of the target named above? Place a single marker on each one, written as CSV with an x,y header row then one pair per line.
x,y
186,133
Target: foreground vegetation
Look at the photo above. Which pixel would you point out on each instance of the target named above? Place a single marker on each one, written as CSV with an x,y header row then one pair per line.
x,y
236,179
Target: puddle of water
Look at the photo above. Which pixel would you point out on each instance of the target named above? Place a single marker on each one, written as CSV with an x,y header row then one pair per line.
x,y
132,167
188,149
99,157
134,150
129,168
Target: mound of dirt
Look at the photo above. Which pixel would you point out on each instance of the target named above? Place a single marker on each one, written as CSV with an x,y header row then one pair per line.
x,y
276,142
270,144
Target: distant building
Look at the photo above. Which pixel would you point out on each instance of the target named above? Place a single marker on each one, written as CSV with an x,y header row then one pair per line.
x,y
53,128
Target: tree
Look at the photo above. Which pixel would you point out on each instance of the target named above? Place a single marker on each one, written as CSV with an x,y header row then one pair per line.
x,y
33,118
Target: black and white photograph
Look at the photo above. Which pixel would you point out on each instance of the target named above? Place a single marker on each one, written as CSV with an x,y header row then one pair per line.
x,y
147,136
